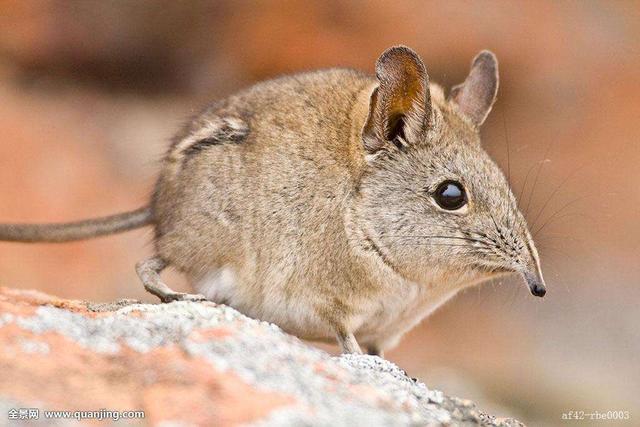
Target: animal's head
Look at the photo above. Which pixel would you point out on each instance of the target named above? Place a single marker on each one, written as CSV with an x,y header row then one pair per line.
x,y
430,198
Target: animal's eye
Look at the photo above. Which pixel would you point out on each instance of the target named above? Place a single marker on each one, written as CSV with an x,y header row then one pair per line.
x,y
450,195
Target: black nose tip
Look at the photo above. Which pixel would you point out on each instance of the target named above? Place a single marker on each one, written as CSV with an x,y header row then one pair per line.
x,y
538,290
535,282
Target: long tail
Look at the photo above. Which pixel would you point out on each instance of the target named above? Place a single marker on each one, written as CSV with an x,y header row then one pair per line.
x,y
79,230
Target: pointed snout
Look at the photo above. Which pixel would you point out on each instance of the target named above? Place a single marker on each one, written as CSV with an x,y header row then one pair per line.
x,y
535,281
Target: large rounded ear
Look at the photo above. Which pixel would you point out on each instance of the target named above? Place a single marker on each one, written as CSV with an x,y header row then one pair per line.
x,y
476,95
400,107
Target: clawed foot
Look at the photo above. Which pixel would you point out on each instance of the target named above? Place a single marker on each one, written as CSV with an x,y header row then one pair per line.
x,y
181,296
149,272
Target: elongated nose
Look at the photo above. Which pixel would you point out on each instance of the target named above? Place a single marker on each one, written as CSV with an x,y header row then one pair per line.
x,y
535,281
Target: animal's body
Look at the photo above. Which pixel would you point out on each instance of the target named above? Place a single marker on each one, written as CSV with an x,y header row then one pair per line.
x,y
332,203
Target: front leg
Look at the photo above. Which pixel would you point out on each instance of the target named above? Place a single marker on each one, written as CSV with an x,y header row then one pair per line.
x,y
348,343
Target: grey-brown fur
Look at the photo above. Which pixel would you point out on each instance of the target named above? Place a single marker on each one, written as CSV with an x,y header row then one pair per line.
x,y
307,201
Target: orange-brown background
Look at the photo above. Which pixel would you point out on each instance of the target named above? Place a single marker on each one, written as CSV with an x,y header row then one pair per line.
x,y
91,91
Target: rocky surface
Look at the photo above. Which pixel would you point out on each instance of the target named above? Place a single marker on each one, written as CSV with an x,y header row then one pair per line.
x,y
197,364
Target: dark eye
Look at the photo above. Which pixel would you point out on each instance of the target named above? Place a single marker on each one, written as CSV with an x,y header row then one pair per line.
x,y
450,195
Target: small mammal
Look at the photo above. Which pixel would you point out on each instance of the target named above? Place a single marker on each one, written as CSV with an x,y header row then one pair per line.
x,y
334,204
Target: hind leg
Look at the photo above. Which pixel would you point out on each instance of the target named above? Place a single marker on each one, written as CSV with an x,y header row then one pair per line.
x,y
149,273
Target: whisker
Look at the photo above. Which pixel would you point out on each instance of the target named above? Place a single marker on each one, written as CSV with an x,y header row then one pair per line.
x,y
535,181
506,138
555,249
566,205
564,181
561,237
526,179
448,227
496,225
439,244
542,162
432,237
558,218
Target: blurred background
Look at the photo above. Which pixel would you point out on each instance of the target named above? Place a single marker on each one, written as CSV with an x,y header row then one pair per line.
x,y
91,92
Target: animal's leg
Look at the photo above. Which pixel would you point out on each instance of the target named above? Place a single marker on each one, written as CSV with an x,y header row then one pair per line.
x,y
149,272
348,343
375,350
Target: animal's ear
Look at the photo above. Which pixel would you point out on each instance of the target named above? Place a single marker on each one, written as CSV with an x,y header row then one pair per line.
x,y
476,95
400,107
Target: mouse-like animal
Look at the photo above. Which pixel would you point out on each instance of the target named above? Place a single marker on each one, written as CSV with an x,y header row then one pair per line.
x,y
335,204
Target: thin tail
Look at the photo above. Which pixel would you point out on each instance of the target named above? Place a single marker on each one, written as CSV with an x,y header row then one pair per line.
x,y
79,230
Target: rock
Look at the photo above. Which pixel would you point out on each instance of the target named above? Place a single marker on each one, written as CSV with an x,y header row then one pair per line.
x,y
190,363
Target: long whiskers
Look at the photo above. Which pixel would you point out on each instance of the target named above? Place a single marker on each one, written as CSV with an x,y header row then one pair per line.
x,y
556,218
524,185
559,210
478,246
450,245
554,192
535,181
469,239
506,138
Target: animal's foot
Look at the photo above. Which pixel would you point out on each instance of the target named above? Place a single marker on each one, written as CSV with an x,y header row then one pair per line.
x,y
181,296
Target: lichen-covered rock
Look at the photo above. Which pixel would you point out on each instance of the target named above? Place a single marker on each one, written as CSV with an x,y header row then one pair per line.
x,y
196,364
